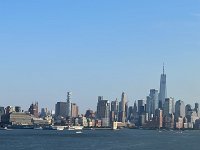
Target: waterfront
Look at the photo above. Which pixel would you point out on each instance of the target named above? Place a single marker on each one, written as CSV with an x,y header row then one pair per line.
x,y
101,139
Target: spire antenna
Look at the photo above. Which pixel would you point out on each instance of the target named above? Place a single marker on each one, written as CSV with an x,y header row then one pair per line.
x,y
163,68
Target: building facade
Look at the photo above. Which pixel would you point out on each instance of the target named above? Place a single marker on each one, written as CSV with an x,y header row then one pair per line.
x,y
103,111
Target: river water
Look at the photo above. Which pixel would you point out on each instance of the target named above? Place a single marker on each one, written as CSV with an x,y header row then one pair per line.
x,y
125,139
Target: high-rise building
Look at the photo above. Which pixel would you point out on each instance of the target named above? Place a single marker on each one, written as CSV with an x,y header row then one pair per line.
x,y
141,112
2,112
122,113
154,96
159,117
179,109
34,109
152,103
43,112
61,109
149,107
197,109
188,109
114,110
103,111
163,89
74,110
168,106
135,108
69,104
141,106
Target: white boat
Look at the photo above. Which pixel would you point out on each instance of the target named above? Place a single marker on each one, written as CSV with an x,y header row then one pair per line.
x,y
5,128
38,128
75,128
79,132
60,128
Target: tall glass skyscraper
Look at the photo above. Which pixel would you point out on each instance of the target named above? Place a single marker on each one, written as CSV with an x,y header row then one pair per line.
x,y
179,109
168,106
163,89
103,111
152,103
68,104
122,117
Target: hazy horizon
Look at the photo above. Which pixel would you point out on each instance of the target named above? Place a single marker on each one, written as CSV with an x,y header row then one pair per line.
x,y
97,48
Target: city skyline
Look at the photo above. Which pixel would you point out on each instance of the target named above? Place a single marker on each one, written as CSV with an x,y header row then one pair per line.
x,y
82,110
97,48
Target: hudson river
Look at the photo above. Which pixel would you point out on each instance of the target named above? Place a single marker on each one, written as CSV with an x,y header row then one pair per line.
x,y
125,139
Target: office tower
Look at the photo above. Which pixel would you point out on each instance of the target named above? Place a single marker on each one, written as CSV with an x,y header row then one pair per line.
x,y
197,109
168,106
2,112
74,110
69,104
61,109
103,111
152,103
141,106
149,107
154,96
188,109
163,89
34,109
43,112
141,112
130,113
126,110
122,113
135,108
179,109
159,117
115,106
114,110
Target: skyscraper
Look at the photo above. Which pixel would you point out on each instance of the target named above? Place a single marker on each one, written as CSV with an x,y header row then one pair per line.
x,y
2,112
61,109
114,110
152,103
74,110
163,89
179,109
154,96
103,111
141,106
197,109
122,112
168,106
43,112
159,117
68,104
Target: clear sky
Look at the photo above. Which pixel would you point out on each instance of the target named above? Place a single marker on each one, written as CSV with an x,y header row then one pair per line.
x,y
101,47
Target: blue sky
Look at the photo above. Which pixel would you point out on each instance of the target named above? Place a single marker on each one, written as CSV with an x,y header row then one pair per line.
x,y
97,48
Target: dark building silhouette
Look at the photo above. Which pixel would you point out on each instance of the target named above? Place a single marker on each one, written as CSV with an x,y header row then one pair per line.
x,y
89,114
34,109
17,109
61,109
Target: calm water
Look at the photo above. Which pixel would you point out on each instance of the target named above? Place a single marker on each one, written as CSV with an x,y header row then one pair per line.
x,y
102,140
